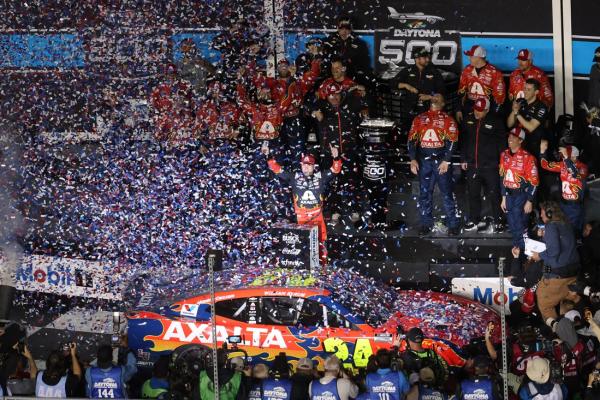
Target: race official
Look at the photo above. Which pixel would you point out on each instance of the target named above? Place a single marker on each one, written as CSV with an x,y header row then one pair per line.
x,y
420,81
431,142
526,70
520,180
482,142
481,386
107,380
386,383
334,385
573,175
480,79
530,114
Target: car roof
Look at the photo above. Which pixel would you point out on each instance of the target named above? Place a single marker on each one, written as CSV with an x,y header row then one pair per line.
x,y
367,298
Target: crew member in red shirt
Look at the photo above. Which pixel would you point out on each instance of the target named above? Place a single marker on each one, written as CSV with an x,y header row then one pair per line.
x,y
431,141
526,70
218,118
519,184
480,79
573,175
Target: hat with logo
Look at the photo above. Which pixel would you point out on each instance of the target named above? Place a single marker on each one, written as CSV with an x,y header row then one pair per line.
x,y
283,61
518,132
415,335
308,159
481,104
476,51
333,88
421,52
597,55
538,370
314,41
524,55
305,364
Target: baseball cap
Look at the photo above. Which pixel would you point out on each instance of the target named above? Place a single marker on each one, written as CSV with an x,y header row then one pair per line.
x,y
482,104
333,88
305,363
421,52
518,132
524,55
572,315
426,375
308,159
315,40
597,55
415,335
573,151
538,370
476,51
283,61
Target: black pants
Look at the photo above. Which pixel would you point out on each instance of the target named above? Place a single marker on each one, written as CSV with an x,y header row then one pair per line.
x,y
489,180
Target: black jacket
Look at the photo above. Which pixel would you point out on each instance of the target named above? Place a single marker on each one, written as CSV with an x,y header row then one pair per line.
x,y
353,51
428,81
340,124
594,91
482,141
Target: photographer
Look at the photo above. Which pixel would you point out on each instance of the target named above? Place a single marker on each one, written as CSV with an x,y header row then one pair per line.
x,y
158,385
561,261
530,114
278,386
426,388
334,385
56,381
416,357
19,372
592,390
387,382
232,384
109,380
568,356
538,384
481,385
301,379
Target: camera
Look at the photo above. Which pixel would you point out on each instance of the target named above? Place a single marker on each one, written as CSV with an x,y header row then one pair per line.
x,y
556,372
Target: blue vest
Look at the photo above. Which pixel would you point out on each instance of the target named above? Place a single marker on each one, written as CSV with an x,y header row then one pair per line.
x,y
384,386
277,389
320,391
427,393
477,389
106,385
43,390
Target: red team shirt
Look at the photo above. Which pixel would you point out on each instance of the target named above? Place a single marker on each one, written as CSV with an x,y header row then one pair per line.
x,y
518,170
431,130
517,85
220,119
572,186
487,83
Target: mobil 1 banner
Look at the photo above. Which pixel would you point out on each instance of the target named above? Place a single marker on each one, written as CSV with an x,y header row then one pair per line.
x,y
296,246
394,46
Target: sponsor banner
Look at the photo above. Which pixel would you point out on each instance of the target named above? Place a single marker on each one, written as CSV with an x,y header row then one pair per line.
x,y
296,246
486,291
394,47
25,50
62,276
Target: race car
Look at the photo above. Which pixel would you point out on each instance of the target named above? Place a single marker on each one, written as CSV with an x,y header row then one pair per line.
x,y
340,313
419,16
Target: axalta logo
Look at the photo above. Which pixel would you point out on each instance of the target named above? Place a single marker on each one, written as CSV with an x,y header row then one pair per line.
x,y
202,333
488,296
